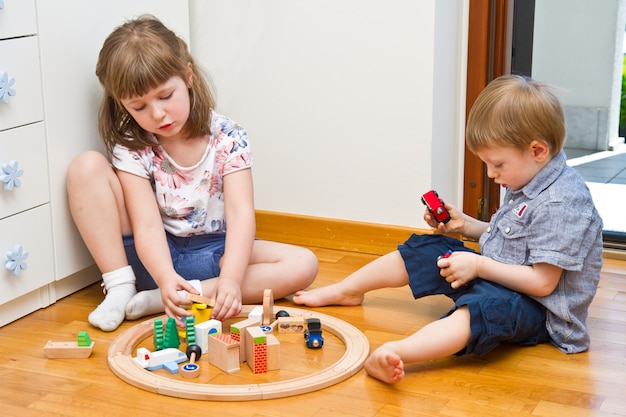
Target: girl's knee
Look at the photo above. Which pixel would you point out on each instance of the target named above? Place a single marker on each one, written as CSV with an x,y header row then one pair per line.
x,y
308,265
86,162
86,166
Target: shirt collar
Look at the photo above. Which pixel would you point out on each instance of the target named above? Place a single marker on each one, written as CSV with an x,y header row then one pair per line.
x,y
546,176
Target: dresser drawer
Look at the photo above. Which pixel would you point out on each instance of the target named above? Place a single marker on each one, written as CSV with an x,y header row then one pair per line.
x,y
27,146
19,59
17,18
32,231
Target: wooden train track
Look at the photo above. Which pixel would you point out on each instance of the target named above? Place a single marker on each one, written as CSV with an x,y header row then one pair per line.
x,y
356,351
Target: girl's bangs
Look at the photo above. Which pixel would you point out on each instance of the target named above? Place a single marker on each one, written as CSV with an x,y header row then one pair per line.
x,y
143,74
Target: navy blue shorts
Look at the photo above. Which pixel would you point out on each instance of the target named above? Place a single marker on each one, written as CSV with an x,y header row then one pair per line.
x,y
497,314
194,257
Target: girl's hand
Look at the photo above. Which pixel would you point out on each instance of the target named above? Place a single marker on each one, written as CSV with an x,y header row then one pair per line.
x,y
227,295
460,268
456,224
172,301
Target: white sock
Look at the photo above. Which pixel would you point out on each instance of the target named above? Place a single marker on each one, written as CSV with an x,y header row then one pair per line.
x,y
119,287
149,302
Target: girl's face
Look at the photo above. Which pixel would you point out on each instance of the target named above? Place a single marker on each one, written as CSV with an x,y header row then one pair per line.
x,y
512,167
163,110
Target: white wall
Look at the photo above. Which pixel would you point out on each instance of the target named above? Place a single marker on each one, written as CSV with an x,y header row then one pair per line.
x,y
71,33
354,108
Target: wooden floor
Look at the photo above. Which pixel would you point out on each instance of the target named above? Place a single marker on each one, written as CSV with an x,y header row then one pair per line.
x,y
511,381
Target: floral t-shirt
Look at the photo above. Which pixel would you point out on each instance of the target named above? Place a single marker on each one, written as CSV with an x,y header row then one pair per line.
x,y
191,199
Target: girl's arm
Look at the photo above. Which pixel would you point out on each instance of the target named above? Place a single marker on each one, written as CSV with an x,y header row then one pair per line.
x,y
537,280
151,243
240,233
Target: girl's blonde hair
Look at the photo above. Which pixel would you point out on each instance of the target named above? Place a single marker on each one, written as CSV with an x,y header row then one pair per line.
x,y
513,111
136,57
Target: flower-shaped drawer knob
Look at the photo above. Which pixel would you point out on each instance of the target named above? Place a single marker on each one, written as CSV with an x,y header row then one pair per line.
x,y
16,260
6,86
10,175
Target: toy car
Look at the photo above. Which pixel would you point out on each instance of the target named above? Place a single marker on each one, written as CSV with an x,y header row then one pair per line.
x,y
434,204
313,334
445,255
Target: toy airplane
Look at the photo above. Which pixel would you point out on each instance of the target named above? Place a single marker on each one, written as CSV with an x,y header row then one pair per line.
x,y
166,358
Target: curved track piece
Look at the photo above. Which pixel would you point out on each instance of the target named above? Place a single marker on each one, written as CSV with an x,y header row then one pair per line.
x,y
357,349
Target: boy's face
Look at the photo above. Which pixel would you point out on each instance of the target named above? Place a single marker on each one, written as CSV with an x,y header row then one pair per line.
x,y
512,167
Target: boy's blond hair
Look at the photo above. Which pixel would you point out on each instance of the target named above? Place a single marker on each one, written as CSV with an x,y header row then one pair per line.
x,y
512,111
136,57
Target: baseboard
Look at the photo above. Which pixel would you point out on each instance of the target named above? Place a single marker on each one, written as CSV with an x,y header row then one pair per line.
x,y
353,236
75,282
362,237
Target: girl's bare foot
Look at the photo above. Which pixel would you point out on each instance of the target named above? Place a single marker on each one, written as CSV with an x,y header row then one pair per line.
x,y
385,364
325,296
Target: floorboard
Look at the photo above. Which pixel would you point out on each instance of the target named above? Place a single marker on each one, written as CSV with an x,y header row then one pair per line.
x,y
511,381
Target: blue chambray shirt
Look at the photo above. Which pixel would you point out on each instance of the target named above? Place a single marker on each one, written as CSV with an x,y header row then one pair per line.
x,y
553,220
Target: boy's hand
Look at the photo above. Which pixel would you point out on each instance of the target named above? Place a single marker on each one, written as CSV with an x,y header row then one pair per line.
x,y
460,268
455,225
227,295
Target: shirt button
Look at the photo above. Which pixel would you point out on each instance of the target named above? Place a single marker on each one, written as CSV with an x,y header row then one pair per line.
x,y
489,229
507,230
510,201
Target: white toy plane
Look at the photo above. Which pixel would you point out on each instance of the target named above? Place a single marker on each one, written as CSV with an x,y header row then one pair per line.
x,y
167,358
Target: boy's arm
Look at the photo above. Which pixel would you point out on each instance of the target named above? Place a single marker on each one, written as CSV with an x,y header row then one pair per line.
x,y
473,228
537,280
459,223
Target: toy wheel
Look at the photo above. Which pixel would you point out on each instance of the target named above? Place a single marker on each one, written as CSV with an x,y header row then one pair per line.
x,y
282,313
191,349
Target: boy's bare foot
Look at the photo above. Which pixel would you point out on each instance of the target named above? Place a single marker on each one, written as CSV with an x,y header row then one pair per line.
x,y
385,364
325,296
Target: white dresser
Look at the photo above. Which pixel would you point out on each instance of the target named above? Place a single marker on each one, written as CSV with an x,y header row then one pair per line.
x,y
25,213
49,97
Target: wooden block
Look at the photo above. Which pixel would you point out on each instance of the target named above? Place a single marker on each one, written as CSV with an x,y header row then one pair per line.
x,y
268,306
256,349
204,330
200,299
290,324
237,332
273,352
67,350
201,312
224,353
262,350
256,313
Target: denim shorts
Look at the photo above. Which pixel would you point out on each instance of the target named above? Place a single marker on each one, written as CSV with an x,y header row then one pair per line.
x,y
194,257
497,314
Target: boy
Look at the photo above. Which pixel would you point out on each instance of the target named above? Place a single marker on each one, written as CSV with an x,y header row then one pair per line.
x,y
541,253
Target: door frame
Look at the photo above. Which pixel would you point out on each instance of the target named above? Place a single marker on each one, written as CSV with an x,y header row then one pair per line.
x,y
487,58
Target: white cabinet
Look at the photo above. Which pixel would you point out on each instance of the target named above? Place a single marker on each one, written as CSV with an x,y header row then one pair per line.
x,y
50,48
25,218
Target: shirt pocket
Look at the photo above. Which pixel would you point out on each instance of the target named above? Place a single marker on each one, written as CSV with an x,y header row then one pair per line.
x,y
514,242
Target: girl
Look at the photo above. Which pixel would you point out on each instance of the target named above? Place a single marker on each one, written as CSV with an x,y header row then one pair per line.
x,y
156,221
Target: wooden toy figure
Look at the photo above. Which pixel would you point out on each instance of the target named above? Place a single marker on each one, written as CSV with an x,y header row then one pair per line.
x,y
191,369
